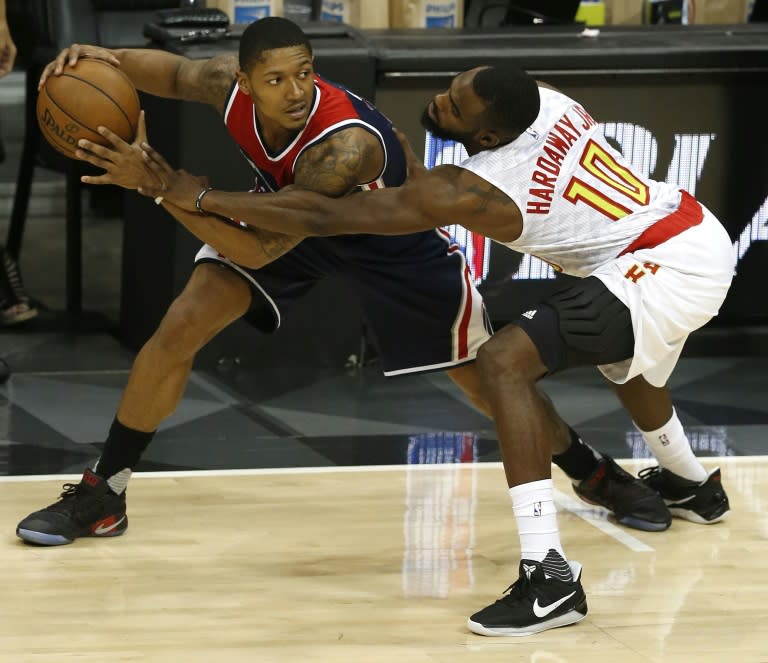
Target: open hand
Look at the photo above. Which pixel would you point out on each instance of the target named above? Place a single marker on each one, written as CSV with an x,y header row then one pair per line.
x,y
123,162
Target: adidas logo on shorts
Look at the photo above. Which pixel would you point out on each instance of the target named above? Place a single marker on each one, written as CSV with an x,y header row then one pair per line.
x,y
529,314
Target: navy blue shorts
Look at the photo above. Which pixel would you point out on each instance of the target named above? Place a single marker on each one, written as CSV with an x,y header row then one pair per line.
x,y
415,291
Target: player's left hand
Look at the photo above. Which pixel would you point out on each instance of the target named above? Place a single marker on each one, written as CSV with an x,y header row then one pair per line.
x,y
123,162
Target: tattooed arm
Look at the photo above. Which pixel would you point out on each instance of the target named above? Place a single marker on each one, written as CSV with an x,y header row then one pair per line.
x,y
158,72
337,165
332,168
173,76
250,247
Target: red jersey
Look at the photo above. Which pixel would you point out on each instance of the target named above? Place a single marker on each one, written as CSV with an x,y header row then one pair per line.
x,y
333,108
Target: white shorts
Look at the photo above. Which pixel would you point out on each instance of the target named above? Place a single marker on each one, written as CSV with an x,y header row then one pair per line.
x,y
671,290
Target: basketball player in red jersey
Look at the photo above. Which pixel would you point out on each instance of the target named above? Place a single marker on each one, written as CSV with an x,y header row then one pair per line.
x,y
294,128
654,265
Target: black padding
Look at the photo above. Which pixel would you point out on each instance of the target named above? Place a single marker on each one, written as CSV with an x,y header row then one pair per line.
x,y
596,326
590,316
581,325
542,325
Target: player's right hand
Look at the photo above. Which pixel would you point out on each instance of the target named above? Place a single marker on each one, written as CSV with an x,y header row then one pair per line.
x,y
123,163
69,57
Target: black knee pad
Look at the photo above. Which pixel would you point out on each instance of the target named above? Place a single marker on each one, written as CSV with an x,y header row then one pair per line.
x,y
542,324
584,324
595,324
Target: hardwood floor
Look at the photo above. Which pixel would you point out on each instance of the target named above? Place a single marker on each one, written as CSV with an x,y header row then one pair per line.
x,y
372,564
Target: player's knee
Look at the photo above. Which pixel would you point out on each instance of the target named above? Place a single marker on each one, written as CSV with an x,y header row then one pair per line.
x,y
184,330
503,360
485,362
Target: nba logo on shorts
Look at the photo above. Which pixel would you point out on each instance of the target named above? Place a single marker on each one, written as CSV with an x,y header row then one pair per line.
x,y
537,508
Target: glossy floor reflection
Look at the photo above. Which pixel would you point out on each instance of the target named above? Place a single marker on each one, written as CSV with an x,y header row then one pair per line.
x,y
374,564
58,404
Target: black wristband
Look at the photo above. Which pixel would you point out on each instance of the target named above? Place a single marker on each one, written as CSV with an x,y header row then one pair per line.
x,y
199,201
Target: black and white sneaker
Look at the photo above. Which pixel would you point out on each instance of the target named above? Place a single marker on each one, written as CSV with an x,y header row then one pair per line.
x,y
88,508
703,502
632,501
547,594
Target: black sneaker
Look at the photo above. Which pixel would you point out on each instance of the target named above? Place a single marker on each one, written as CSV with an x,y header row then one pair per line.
x,y
547,595
88,508
15,305
702,502
633,502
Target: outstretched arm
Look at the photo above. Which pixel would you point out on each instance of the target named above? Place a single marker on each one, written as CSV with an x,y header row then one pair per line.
x,y
429,199
394,211
441,196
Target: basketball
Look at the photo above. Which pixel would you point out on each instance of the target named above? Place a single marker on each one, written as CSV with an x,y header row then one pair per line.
x,y
93,93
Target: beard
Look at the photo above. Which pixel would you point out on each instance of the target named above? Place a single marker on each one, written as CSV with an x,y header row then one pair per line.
x,y
438,132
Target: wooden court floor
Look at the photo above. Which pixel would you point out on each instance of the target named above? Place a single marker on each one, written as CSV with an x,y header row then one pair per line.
x,y
372,565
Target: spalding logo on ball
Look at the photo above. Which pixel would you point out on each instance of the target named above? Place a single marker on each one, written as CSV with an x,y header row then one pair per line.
x,y
67,135
93,93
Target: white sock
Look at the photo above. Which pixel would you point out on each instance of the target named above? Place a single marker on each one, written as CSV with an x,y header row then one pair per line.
x,y
671,448
536,517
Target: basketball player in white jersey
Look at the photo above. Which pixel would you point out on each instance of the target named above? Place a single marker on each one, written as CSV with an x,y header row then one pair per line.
x,y
654,264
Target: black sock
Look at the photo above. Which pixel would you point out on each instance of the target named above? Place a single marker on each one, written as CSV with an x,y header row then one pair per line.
x,y
122,449
579,460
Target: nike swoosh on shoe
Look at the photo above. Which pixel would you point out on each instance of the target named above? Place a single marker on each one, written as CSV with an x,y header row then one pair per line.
x,y
105,530
542,611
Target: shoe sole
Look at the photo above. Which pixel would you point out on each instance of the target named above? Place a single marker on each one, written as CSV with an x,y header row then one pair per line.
x,y
693,517
567,619
43,539
643,525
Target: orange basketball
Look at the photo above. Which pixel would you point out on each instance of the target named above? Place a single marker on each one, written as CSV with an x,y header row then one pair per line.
x,y
93,93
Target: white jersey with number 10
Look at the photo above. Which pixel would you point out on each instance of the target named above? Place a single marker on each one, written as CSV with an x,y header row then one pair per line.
x,y
582,204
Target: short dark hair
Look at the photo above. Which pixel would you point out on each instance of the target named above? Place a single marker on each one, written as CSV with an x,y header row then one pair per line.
x,y
267,34
512,96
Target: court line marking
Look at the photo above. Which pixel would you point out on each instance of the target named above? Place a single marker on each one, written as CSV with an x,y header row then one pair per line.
x,y
173,474
588,515
723,460
592,516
